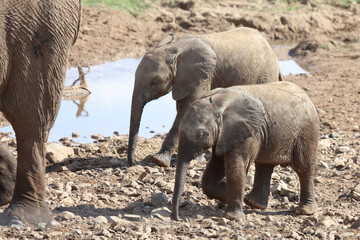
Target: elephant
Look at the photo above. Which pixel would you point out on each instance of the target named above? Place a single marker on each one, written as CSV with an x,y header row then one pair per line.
x,y
190,67
7,175
269,124
35,41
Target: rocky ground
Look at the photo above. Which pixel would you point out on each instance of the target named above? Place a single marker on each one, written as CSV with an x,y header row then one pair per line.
x,y
95,195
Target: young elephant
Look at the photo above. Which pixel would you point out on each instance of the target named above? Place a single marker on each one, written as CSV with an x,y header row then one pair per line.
x,y
190,67
7,175
269,124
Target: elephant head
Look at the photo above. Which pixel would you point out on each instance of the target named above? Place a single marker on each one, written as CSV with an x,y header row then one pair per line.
x,y
222,119
178,66
7,175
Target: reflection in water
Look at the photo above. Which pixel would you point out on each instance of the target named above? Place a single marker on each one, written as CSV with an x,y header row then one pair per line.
x,y
81,106
107,108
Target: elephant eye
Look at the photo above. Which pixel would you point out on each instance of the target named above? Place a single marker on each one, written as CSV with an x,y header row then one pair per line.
x,y
154,83
201,135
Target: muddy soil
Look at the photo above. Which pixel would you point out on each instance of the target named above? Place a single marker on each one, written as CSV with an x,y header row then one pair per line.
x,y
95,195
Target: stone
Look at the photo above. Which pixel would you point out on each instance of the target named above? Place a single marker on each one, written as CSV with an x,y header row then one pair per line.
x,y
137,204
159,200
342,149
100,220
96,136
325,144
66,215
327,222
52,224
356,224
223,221
89,147
162,213
132,217
277,188
57,153
75,134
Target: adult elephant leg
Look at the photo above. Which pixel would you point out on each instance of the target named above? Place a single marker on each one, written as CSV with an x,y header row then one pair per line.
x,y
213,182
28,203
259,195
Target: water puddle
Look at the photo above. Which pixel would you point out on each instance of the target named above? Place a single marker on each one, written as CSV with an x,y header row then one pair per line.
x,y
107,108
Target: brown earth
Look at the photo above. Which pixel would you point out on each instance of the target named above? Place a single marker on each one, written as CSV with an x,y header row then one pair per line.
x,y
96,181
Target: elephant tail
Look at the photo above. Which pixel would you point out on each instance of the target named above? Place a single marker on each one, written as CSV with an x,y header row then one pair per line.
x,y
281,77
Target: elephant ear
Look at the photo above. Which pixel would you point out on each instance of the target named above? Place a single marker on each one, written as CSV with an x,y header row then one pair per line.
x,y
165,40
241,119
195,63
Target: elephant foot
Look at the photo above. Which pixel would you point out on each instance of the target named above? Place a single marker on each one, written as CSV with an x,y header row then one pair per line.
x,y
161,159
27,213
234,215
254,202
306,209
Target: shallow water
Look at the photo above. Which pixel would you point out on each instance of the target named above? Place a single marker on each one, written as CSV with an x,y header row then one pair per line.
x,y
107,108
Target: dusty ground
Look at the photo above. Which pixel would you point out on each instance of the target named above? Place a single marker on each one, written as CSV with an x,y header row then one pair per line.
x,y
94,195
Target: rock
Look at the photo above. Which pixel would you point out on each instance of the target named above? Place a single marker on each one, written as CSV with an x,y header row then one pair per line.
x,y
334,135
133,205
278,187
52,224
89,147
356,224
356,192
323,164
342,149
57,153
66,215
75,134
162,213
320,233
339,163
325,144
100,220
327,222
96,136
223,221
132,217
159,200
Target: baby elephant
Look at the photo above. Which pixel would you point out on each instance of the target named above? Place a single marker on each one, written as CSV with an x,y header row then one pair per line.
x,y
7,175
269,124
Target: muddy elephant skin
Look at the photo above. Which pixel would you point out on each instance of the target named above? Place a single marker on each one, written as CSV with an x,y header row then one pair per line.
x,y
268,124
35,40
190,67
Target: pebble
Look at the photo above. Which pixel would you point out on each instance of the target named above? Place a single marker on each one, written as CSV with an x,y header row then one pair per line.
x,y
132,217
57,153
100,220
75,134
159,200
96,136
162,213
52,224
328,222
342,149
356,224
66,215
223,221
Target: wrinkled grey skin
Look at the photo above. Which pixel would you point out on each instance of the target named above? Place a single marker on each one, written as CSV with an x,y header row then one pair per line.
x,y
190,67
7,175
35,41
270,124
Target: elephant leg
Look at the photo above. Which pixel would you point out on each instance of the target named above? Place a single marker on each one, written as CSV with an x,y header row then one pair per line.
x,y
213,182
28,203
259,195
163,157
235,172
304,164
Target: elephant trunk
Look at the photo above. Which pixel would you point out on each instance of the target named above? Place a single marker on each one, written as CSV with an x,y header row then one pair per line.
x,y
181,170
136,112
184,157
